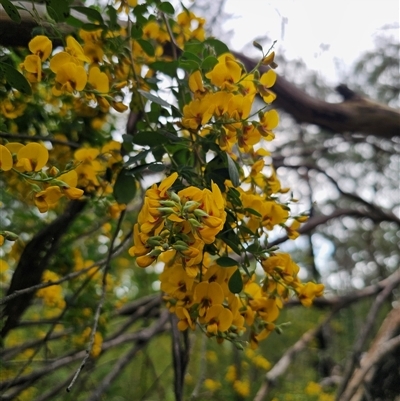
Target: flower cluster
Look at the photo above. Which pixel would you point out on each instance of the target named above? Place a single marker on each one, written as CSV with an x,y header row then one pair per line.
x,y
223,100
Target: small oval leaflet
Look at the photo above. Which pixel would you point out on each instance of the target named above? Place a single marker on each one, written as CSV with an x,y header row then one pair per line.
x,y
226,261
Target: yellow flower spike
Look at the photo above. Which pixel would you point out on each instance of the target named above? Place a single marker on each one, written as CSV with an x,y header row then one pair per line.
x,y
71,78
99,80
41,46
32,157
6,160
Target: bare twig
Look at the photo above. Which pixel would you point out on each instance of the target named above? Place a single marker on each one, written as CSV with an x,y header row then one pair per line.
x,y
363,335
101,302
147,335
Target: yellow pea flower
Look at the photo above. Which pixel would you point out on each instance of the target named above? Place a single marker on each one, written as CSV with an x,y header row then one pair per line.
x,y
75,50
185,320
226,73
6,160
208,294
218,319
197,112
47,198
196,84
32,157
267,80
268,122
71,181
70,78
309,291
41,46
98,80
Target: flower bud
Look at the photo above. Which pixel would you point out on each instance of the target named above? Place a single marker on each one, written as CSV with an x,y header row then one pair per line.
x,y
200,213
174,197
194,223
9,235
190,206
166,210
167,203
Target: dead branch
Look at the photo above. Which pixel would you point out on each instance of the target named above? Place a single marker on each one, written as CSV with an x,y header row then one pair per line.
x,y
382,346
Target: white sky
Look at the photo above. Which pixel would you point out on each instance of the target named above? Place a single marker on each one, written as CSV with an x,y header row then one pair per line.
x,y
348,27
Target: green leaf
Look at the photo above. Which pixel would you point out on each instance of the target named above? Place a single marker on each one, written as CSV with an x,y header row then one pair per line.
x,y
146,46
209,63
113,21
156,167
166,7
233,171
235,283
219,47
75,22
166,67
194,46
11,10
93,27
189,65
226,261
149,139
153,98
91,13
124,187
15,79
252,211
58,10
190,56
136,32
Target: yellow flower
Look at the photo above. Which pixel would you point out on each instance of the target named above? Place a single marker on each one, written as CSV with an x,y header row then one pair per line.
x,y
266,81
206,295
75,50
6,160
212,385
313,388
70,78
11,109
71,181
98,80
226,73
268,122
197,112
242,387
309,291
196,84
230,375
47,198
218,319
185,320
41,46
32,157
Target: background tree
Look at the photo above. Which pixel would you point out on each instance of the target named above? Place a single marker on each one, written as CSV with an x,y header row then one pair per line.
x,y
358,221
